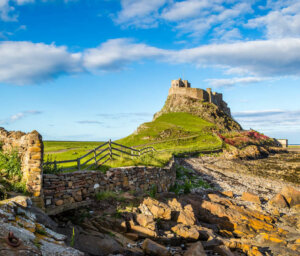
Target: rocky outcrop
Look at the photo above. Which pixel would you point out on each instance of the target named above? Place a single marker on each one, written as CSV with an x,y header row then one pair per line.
x,y
31,231
207,111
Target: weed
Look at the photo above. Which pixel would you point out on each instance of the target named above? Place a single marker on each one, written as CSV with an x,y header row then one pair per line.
x,y
72,238
50,166
37,243
109,195
40,231
187,186
10,164
153,191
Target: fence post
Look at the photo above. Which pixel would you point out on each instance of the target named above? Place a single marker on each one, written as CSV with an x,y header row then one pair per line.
x,y
78,164
95,157
110,150
55,165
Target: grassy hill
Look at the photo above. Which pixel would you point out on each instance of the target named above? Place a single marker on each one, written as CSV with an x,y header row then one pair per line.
x,y
175,132
169,134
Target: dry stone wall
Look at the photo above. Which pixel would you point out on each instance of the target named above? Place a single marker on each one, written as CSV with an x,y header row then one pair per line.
x,y
67,191
30,149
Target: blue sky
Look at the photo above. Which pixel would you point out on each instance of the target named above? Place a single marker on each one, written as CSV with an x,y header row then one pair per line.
x,y
93,70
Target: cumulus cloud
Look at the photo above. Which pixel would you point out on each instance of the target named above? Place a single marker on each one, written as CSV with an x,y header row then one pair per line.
x,y
140,13
27,63
19,116
116,53
283,20
271,120
194,17
262,57
7,11
228,82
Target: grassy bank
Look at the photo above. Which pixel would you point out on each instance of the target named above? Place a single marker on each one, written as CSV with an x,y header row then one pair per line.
x,y
170,134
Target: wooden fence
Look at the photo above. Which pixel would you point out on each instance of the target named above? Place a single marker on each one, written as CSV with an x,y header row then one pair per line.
x,y
104,153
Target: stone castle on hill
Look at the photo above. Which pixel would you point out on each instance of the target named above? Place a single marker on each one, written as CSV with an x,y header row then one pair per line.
x,y
183,88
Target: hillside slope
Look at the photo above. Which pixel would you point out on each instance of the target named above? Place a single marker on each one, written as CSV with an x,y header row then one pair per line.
x,y
175,132
204,110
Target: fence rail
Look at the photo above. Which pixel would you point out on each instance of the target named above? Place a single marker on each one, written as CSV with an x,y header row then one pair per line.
x,y
99,154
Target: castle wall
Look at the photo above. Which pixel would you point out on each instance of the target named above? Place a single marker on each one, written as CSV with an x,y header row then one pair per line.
x,y
182,87
30,148
190,92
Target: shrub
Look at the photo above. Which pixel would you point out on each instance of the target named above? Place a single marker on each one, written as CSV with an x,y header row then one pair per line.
x,y
10,164
49,167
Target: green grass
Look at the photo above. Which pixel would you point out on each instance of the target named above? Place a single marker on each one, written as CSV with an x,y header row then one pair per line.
x,y
175,132
294,146
170,134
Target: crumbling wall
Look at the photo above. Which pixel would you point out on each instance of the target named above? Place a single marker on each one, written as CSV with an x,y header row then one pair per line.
x,y
65,191
30,148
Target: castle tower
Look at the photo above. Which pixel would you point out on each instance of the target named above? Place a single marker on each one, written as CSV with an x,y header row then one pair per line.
x,y
209,94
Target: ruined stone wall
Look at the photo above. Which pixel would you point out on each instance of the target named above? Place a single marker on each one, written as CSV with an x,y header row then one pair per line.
x,y
67,191
30,149
190,92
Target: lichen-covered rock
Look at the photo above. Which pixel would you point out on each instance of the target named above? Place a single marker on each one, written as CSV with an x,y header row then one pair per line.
x,y
195,250
291,195
157,209
35,238
278,201
250,198
186,232
152,248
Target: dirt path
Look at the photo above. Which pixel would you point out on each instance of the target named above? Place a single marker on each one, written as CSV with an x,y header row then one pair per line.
x,y
60,151
236,176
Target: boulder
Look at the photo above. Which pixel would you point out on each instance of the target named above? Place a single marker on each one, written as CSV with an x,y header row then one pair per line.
x,y
250,198
186,216
152,248
144,232
228,193
195,250
156,208
186,232
291,195
97,246
146,221
278,201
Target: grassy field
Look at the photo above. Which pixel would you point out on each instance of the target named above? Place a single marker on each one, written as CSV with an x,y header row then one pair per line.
x,y
294,146
169,134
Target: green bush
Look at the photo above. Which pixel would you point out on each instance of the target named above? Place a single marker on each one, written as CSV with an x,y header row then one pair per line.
x,y
10,164
49,167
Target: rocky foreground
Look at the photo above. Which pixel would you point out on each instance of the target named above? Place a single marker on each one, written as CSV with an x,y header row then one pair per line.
x,y
244,208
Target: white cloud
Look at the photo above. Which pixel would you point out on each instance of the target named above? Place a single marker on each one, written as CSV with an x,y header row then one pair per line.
x,y
275,120
228,82
141,13
6,11
186,9
116,53
194,17
262,57
19,116
26,62
283,20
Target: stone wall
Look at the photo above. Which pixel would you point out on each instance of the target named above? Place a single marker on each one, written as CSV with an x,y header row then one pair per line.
x,y
30,149
182,87
67,191
194,93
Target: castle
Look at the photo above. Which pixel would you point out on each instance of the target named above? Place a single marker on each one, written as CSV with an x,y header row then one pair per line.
x,y
183,87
